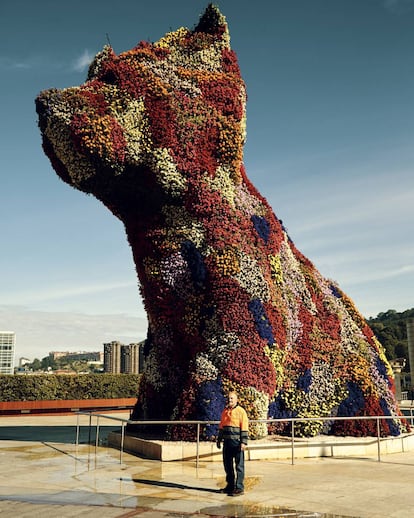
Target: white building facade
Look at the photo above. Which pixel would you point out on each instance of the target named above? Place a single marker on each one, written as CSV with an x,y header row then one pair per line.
x,y
7,345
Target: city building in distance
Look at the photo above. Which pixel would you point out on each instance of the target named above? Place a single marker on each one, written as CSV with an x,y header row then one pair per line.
x,y
96,356
7,345
123,359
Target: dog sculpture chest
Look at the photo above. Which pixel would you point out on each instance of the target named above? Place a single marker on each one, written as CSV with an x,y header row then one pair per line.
x,y
156,133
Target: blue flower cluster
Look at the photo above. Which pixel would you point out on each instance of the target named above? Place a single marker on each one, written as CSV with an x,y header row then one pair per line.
x,y
195,263
262,227
355,401
335,291
382,370
278,410
210,404
263,326
304,381
394,430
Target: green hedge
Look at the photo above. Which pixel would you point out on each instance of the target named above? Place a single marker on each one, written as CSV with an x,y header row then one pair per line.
x,y
57,386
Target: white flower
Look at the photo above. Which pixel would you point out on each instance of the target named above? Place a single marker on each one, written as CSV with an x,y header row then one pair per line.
x,y
295,282
205,368
168,176
251,278
181,225
136,131
58,132
219,345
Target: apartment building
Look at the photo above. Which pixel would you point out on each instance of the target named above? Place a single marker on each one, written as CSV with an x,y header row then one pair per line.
x,y
112,357
122,359
7,345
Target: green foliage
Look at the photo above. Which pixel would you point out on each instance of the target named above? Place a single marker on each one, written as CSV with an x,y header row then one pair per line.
x,y
391,330
40,387
36,364
65,363
47,363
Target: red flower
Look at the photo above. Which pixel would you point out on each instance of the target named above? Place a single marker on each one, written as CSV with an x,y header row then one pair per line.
x,y
249,366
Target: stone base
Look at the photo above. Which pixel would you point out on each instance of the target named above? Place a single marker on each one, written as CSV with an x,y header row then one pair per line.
x,y
272,447
165,450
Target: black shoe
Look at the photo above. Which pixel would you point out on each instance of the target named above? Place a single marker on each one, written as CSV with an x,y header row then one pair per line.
x,y
237,492
227,490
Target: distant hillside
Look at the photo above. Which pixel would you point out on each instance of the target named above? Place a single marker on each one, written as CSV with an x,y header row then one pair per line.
x,y
391,330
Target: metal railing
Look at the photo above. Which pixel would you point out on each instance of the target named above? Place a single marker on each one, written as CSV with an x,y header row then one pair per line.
x,y
408,411
292,420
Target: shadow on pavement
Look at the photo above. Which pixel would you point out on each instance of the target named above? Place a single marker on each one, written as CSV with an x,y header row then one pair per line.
x,y
160,483
65,434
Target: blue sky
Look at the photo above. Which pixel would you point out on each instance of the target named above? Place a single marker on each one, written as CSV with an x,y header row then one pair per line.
x,y
330,133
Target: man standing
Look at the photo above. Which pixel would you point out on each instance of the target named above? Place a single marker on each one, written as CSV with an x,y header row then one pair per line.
x,y
233,432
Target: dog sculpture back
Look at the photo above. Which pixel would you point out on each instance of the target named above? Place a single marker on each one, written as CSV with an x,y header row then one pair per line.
x,y
156,133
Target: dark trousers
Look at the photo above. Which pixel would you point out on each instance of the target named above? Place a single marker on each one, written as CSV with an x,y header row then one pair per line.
x,y
233,461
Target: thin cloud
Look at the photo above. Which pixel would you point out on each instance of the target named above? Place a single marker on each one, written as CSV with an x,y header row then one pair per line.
x,y
10,64
357,197
399,6
83,61
42,62
364,277
367,279
403,270
21,65
63,292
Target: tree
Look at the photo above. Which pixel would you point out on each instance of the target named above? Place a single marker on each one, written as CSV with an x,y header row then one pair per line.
x,y
390,327
48,363
36,365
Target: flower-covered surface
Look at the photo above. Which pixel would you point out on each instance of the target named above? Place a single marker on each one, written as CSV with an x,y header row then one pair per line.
x,y
156,133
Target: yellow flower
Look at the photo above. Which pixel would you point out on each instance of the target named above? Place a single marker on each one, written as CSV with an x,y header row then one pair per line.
x,y
276,269
227,261
172,39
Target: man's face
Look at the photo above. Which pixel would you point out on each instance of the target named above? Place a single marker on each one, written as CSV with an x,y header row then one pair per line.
x,y
232,399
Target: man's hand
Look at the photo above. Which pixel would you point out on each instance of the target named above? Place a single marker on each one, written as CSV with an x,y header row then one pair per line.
x,y
243,447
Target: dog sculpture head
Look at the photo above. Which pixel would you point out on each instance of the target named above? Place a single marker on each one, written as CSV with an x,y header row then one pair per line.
x,y
137,124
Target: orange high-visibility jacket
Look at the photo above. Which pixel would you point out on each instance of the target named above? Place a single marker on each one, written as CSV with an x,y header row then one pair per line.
x,y
234,425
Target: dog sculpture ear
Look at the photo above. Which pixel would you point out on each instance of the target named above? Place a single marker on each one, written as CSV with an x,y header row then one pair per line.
x,y
212,22
106,54
210,34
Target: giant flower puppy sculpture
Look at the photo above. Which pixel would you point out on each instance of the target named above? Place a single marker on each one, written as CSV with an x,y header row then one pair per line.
x,y
156,133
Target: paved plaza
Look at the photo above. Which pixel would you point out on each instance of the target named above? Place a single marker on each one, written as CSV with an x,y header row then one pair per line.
x,y
45,474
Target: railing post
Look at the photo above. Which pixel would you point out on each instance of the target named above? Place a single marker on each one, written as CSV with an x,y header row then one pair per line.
x,y
90,425
77,432
198,444
121,449
378,437
97,432
293,441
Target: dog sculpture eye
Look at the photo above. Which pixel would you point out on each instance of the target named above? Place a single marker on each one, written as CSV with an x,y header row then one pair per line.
x,y
109,78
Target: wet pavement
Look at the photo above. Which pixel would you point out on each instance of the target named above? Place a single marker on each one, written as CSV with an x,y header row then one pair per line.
x,y
45,474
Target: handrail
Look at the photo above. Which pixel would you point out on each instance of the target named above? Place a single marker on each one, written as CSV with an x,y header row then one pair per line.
x,y
292,420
